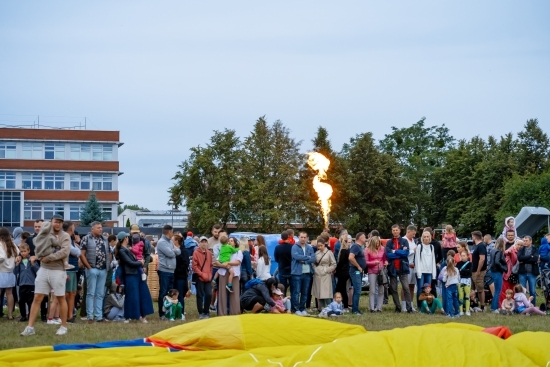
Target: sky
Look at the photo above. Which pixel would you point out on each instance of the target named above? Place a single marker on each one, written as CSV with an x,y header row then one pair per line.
x,y
168,73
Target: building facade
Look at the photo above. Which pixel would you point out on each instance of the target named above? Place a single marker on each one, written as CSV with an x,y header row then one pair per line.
x,y
53,171
154,218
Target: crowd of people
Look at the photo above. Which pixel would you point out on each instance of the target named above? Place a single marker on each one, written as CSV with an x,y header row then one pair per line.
x,y
55,272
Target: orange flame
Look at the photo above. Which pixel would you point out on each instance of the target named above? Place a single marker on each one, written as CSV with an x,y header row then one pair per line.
x,y
320,163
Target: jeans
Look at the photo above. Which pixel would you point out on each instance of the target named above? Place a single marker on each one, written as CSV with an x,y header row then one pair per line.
x,y
299,291
524,278
404,280
497,281
376,293
182,286
204,296
286,281
166,281
425,278
356,282
115,313
452,300
95,282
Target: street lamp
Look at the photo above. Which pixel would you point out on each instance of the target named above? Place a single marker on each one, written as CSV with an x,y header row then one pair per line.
x,y
123,222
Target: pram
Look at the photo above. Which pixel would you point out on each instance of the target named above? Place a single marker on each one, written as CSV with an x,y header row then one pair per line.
x,y
545,285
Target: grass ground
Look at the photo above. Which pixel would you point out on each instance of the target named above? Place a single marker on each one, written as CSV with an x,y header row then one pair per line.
x,y
81,332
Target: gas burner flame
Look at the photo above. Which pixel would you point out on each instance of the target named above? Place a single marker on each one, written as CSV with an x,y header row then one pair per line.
x,y
320,164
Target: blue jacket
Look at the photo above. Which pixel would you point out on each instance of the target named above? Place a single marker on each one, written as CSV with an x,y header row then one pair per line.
x,y
25,275
190,245
246,264
402,255
298,259
334,307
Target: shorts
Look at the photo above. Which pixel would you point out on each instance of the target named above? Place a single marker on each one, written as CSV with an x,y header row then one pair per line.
x,y
71,282
479,280
48,280
412,277
248,306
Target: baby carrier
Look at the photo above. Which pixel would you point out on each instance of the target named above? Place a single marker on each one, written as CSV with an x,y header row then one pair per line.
x,y
545,285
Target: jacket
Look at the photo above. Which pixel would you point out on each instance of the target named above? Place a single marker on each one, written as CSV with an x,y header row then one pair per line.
x,y
146,251
465,271
322,279
113,301
402,255
258,290
380,256
421,266
128,260
342,267
44,239
25,275
528,259
166,255
91,255
190,245
182,265
334,307
199,257
283,257
246,265
299,259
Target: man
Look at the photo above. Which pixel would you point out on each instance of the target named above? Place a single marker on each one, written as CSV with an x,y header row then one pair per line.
x,y
528,257
215,239
30,242
167,252
218,231
283,257
479,267
510,238
397,252
96,258
489,247
357,265
202,266
72,280
302,256
51,275
409,236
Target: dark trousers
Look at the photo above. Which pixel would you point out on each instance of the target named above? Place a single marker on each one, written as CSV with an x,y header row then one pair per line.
x,y
341,286
3,294
204,296
182,286
285,280
166,280
26,296
44,308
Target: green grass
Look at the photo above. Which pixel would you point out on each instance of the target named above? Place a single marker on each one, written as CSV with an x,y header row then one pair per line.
x,y
81,332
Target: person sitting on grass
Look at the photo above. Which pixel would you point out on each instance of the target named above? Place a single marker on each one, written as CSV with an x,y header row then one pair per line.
x,y
171,306
335,308
226,250
507,307
474,302
277,297
428,303
523,305
114,305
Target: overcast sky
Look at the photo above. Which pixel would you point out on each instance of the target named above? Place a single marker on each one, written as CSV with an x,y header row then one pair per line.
x,y
168,73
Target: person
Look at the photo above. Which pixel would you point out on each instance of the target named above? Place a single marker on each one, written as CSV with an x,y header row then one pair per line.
x,y
479,266
258,295
464,267
258,242
181,283
438,258
507,307
509,226
510,238
147,248
462,246
52,247
137,250
137,300
72,277
17,232
335,308
51,274
397,253
528,272
172,307
96,258
114,305
376,260
302,256
277,296
215,239
201,265
167,252
450,254
357,265
508,281
25,271
449,240
30,240
246,266
497,269
451,279
409,236
214,246
544,252
523,305
8,255
474,302
190,244
283,257
226,251
234,264
342,270
263,267
338,245
424,263
428,302
323,267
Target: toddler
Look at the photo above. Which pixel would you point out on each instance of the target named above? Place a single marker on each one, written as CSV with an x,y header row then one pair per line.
x,y
226,250
465,269
507,307
171,306
277,296
25,271
137,250
509,224
335,308
522,304
474,302
47,244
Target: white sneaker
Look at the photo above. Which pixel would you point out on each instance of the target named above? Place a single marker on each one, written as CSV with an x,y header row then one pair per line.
x,y
414,309
127,321
54,322
322,314
143,320
496,311
298,313
461,313
62,331
468,313
28,331
182,318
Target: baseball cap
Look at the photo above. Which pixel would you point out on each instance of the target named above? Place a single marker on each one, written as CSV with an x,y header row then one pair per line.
x,y
57,217
426,285
189,234
203,238
134,229
121,235
277,291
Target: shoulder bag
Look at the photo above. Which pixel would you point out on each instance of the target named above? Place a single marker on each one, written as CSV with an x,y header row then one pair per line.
x,y
195,276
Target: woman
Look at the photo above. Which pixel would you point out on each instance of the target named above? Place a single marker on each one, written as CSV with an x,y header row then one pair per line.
x,y
114,305
181,272
263,269
424,263
137,302
8,253
511,259
461,247
342,270
338,245
498,268
259,241
255,298
376,261
246,265
223,294
322,274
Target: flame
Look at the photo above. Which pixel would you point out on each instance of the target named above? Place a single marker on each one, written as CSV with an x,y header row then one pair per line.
x,y
320,163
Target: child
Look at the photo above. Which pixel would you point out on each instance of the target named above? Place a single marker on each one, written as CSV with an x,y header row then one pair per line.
x,y
226,251
522,304
451,279
137,250
544,252
286,300
441,288
474,302
428,303
465,269
47,244
449,240
277,296
171,306
507,307
335,308
25,273
509,224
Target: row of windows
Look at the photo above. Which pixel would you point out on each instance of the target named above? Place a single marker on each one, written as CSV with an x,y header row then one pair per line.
x,y
56,181
79,152
33,211
10,209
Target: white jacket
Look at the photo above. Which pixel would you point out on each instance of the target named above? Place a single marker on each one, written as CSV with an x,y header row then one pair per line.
x,y
263,270
6,264
424,260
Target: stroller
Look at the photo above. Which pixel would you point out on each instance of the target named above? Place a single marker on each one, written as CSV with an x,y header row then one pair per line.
x,y
545,285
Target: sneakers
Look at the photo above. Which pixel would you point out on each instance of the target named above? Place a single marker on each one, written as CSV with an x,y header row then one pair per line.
x,y
71,320
334,315
61,331
143,320
301,313
206,316
358,313
229,287
182,318
127,321
212,308
28,331
83,319
67,266
54,322
172,320
461,313
468,313
323,315
496,312
102,320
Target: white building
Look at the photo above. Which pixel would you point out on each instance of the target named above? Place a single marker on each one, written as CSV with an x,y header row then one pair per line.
x,y
154,218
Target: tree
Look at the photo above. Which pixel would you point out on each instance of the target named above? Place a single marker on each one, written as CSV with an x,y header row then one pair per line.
x,y
131,207
533,149
92,212
128,223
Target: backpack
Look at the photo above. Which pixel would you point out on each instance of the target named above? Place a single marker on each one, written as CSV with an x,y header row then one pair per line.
x,y
252,282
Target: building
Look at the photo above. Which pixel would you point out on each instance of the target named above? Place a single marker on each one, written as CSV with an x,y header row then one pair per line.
x,y
154,218
48,171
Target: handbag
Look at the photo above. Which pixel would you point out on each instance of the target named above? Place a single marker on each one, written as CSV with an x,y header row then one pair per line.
x,y
382,277
195,276
515,268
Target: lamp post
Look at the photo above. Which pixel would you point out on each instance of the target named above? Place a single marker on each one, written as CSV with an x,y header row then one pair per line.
x,y
123,222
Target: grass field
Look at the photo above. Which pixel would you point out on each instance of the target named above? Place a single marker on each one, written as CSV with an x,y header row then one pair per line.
x,y
81,332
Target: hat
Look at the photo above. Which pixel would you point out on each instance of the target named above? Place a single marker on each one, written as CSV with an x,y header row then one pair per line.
x,y
426,285
57,217
121,235
134,229
189,234
203,238
277,291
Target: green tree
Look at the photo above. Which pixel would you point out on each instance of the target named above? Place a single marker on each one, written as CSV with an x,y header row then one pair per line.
x,y
92,212
533,149
128,223
131,207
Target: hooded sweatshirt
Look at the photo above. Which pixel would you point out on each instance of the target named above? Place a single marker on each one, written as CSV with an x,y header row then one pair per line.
x,y
45,243
544,253
507,227
17,235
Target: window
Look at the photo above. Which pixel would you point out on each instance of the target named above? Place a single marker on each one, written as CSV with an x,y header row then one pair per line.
x,y
107,152
50,209
32,181
32,151
80,152
95,181
107,182
75,181
95,152
75,210
33,211
108,212
54,181
7,149
7,180
10,209
54,151
85,181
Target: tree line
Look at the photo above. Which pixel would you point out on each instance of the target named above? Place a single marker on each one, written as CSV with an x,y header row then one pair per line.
x,y
419,175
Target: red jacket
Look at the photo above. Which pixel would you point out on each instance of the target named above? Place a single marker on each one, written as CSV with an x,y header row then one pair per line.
x,y
202,264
